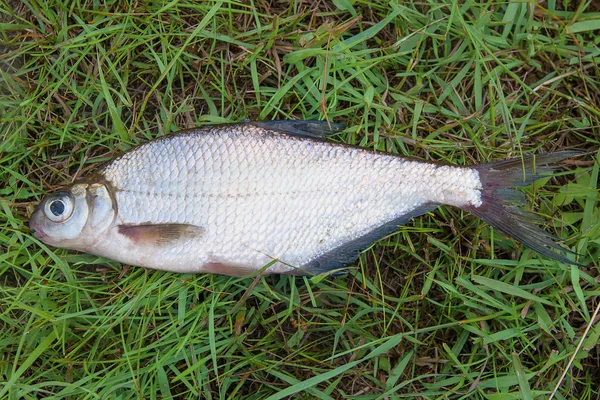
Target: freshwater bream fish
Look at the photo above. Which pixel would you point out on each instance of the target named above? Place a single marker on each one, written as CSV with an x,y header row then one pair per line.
x,y
274,197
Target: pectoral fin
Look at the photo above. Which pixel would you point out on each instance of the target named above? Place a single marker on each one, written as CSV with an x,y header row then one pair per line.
x,y
161,234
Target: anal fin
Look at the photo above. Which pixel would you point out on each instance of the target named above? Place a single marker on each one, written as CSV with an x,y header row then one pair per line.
x,y
346,254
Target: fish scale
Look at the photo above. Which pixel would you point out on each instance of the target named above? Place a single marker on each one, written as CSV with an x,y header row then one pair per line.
x,y
236,199
285,203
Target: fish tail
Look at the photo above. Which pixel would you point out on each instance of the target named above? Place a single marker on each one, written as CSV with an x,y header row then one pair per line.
x,y
500,201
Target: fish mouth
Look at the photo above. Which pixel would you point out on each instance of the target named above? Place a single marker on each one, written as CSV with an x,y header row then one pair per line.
x,y
38,233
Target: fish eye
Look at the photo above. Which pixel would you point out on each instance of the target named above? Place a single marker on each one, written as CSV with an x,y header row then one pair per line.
x,y
59,207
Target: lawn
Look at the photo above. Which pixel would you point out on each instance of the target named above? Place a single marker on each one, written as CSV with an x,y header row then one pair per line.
x,y
446,308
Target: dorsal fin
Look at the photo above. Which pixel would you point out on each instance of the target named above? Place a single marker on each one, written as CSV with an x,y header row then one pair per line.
x,y
308,129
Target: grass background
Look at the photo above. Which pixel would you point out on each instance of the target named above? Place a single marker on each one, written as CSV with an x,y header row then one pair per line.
x,y
445,308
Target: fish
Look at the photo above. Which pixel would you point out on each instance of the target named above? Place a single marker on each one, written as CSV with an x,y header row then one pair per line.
x,y
275,197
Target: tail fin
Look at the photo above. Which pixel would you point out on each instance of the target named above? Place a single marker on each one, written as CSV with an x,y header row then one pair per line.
x,y
498,206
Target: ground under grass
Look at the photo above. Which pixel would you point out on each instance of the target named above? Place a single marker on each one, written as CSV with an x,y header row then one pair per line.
x,y
445,308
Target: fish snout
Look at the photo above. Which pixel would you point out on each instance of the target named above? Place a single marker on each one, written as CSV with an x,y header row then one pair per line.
x,y
35,225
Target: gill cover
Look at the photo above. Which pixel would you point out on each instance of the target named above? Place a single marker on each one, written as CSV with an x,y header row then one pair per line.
x,y
74,216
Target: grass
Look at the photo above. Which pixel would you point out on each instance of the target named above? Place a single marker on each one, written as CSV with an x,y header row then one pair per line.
x,y
445,308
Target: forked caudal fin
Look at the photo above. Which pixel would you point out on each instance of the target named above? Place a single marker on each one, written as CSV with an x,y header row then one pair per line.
x,y
499,200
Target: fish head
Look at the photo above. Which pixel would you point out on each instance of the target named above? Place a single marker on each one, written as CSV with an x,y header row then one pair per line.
x,y
74,217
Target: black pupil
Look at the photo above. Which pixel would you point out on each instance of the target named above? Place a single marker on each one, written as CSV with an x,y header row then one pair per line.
x,y
57,207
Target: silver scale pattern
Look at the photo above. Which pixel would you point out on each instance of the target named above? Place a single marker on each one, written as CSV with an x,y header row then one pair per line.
x,y
261,195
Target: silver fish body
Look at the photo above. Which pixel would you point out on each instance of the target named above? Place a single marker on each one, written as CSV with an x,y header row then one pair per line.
x,y
237,199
